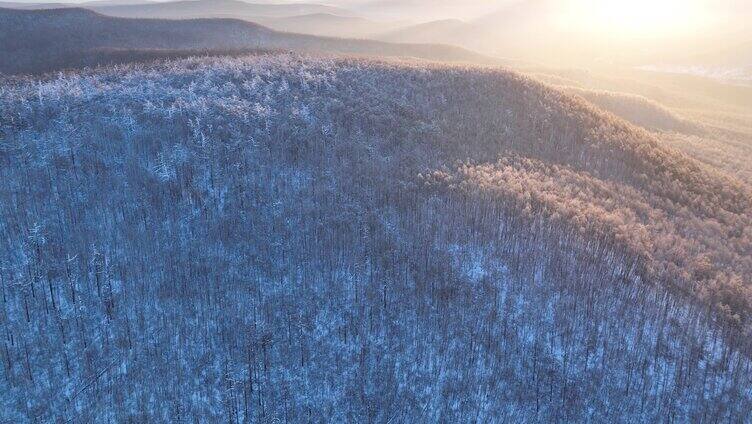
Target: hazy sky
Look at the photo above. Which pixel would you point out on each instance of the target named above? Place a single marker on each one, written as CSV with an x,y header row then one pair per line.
x,y
647,16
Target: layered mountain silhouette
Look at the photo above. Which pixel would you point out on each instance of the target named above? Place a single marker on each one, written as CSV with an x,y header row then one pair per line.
x,y
45,40
189,9
525,29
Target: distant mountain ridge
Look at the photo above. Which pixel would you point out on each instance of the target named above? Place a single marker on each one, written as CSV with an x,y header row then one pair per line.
x,y
519,29
186,9
545,31
60,5
305,18
43,40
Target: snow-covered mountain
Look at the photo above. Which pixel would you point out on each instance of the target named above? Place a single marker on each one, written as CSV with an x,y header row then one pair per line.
x,y
208,220
276,237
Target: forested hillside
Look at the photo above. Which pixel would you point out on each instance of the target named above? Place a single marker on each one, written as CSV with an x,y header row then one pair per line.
x,y
637,110
39,41
284,238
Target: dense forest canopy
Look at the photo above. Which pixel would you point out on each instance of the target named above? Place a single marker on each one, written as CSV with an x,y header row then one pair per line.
x,y
283,237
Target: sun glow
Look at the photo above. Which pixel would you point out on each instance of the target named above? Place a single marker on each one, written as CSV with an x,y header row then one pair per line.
x,y
637,17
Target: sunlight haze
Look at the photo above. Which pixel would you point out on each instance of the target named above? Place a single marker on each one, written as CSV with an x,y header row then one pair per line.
x,y
639,17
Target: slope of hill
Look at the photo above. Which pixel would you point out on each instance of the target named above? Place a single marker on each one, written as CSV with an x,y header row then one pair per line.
x,y
445,29
32,6
47,40
637,110
719,115
341,240
326,24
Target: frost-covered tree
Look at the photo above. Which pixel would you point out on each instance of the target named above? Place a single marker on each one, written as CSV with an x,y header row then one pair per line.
x,y
296,239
